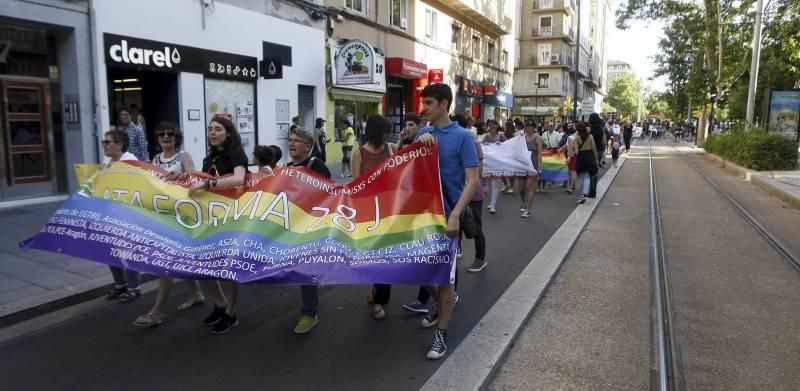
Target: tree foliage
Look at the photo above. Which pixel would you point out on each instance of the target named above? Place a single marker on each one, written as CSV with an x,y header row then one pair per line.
x,y
624,94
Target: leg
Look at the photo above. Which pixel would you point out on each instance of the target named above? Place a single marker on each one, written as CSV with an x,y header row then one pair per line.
x,y
382,295
233,297
310,294
214,288
118,274
133,278
494,189
529,195
522,183
438,348
164,287
480,239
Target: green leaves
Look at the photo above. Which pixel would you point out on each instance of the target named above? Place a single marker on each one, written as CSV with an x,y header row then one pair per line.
x,y
624,94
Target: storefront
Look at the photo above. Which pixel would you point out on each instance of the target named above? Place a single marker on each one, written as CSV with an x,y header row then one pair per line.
x,y
404,82
200,69
357,90
497,104
469,97
541,109
45,100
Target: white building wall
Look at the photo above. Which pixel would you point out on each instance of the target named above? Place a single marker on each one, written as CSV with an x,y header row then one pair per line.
x,y
228,29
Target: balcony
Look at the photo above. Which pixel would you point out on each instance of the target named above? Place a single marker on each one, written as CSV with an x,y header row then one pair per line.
x,y
568,6
486,14
554,60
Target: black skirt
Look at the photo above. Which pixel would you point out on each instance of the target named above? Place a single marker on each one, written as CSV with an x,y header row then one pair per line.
x,y
586,162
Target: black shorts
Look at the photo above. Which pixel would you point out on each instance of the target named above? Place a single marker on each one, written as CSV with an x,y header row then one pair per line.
x,y
347,152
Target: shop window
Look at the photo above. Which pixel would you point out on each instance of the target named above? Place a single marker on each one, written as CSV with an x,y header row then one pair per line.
x,y
544,80
430,24
359,6
491,53
399,14
234,100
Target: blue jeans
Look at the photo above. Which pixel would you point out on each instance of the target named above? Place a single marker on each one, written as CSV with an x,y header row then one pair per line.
x,y
310,295
125,277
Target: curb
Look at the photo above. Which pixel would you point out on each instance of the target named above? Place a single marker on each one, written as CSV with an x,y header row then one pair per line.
x,y
760,180
471,366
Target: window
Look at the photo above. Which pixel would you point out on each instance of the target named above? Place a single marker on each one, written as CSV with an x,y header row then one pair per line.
x,y
476,47
504,59
359,6
545,3
491,53
456,40
546,25
430,24
544,80
544,53
399,14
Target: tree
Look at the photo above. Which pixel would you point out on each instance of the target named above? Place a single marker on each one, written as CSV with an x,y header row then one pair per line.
x,y
624,94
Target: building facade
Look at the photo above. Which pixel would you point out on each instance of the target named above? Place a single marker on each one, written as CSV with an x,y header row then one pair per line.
x,y
617,68
457,42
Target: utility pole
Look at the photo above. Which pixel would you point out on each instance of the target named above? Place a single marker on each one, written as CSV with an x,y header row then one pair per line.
x,y
577,64
751,92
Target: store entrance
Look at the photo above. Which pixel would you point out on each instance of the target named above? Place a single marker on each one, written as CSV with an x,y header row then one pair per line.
x,y
151,96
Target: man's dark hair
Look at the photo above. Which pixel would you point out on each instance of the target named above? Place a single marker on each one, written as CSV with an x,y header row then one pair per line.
x,y
120,137
377,129
277,155
233,143
440,92
461,119
492,121
264,155
173,127
412,116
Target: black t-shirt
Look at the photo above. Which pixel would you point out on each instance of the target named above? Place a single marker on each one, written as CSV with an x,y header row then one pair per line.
x,y
597,134
220,164
317,165
628,130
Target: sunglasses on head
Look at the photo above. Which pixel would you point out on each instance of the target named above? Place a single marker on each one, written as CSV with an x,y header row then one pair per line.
x,y
167,133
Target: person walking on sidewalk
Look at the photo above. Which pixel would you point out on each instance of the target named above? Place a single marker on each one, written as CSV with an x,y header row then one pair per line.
x,y
299,152
494,137
227,164
175,162
526,184
479,263
458,169
375,151
126,281
320,140
599,135
348,141
570,149
587,163
627,134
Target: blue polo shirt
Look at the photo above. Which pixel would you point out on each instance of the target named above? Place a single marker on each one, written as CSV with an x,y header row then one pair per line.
x,y
456,152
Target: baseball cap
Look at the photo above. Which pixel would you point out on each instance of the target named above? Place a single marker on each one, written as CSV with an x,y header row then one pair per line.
x,y
320,119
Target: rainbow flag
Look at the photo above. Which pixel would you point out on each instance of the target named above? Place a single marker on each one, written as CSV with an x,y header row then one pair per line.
x,y
554,167
292,227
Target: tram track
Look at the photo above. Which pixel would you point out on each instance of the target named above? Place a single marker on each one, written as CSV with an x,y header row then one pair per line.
x,y
667,372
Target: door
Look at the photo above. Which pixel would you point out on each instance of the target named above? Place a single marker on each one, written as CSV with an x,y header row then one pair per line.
x,y
305,103
26,138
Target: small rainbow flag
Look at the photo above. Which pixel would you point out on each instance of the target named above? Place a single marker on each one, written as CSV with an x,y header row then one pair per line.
x,y
554,167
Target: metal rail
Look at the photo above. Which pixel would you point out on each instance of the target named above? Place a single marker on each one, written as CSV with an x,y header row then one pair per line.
x,y
770,237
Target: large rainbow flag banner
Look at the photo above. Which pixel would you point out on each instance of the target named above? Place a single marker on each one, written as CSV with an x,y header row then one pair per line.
x,y
293,227
554,167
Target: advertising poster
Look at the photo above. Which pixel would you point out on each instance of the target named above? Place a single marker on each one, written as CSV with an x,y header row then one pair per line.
x,y
784,113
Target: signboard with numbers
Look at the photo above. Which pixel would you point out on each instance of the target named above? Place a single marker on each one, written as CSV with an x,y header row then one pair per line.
x,y
138,53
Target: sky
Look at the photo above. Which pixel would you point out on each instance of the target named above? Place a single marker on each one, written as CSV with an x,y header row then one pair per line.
x,y
636,46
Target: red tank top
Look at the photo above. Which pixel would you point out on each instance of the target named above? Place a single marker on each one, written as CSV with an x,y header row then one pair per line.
x,y
369,159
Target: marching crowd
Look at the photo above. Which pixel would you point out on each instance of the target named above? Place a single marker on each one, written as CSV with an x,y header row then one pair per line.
x,y
459,140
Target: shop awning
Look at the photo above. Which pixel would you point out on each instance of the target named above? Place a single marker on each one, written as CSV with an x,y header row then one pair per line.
x,y
356,96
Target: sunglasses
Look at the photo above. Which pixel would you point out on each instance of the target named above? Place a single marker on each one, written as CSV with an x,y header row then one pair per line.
x,y
166,133
106,142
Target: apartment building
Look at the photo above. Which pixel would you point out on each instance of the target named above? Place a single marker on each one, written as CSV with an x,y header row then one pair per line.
x,y
617,68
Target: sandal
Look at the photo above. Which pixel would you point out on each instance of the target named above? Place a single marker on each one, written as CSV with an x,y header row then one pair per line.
x,y
129,295
148,320
115,293
378,314
192,302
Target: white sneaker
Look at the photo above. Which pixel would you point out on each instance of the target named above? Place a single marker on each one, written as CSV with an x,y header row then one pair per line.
x,y
522,208
492,209
526,214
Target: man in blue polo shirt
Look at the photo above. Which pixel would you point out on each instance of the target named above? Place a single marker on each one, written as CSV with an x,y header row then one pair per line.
x,y
458,170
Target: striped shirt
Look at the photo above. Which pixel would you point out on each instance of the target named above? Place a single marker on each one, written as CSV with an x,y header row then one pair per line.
x,y
137,142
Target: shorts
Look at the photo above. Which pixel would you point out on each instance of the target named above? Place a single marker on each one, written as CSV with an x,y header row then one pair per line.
x,y
615,154
347,152
573,163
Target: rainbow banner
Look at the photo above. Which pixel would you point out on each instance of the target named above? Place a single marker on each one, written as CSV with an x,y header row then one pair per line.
x,y
292,227
554,167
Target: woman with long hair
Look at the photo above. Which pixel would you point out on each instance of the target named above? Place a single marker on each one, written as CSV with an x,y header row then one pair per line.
x,y
375,150
526,184
586,163
227,164
175,162
494,137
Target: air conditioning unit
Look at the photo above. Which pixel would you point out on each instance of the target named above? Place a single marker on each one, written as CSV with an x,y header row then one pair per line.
x,y
404,23
555,58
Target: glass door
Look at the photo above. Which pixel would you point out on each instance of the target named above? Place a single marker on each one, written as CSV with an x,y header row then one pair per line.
x,y
25,132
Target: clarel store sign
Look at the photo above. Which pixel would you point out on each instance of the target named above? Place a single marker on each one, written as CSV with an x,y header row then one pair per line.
x,y
132,52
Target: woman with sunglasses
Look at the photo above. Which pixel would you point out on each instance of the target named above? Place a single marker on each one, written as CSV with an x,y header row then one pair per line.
x,y
227,164
126,281
175,162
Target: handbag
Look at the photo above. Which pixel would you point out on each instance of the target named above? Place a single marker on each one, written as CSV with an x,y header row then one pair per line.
x,y
467,220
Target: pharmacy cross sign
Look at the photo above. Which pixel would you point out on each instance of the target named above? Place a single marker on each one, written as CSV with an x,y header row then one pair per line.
x,y
129,52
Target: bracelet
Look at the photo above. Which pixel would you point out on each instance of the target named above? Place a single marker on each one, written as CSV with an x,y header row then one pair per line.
x,y
214,182
207,183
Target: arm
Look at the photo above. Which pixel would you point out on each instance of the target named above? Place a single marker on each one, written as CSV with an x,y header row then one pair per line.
x,y
188,162
237,179
453,222
356,162
427,140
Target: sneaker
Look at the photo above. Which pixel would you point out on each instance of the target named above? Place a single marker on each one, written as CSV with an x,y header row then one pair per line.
x,y
509,191
492,209
459,253
438,348
569,191
225,324
582,199
525,214
416,307
522,208
432,318
215,316
477,267
305,324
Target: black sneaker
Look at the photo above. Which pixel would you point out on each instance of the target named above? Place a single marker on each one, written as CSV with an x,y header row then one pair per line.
x,y
225,324
582,199
438,348
432,318
215,316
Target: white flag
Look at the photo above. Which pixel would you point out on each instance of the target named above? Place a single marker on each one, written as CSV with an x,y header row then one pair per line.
x,y
510,158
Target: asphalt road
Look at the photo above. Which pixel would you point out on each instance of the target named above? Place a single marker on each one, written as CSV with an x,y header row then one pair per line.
x,y
347,350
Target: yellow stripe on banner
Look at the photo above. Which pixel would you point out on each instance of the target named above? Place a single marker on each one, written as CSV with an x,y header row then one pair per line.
x,y
220,211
